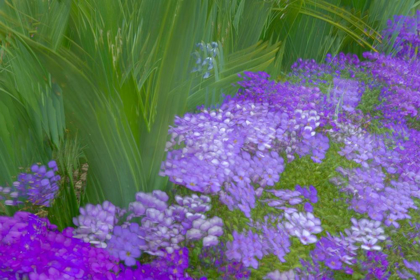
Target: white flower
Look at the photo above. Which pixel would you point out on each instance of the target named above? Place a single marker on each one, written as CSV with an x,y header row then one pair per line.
x,y
305,237
369,244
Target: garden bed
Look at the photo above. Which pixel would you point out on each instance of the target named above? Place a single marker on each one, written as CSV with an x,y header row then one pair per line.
x,y
317,177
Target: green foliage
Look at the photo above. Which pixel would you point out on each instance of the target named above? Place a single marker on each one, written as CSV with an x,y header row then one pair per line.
x,y
32,119
116,69
66,205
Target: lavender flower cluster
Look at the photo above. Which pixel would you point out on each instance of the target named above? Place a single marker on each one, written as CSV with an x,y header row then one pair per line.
x,y
308,71
229,151
376,265
229,269
38,187
381,201
406,30
246,247
293,198
96,223
161,227
400,81
339,253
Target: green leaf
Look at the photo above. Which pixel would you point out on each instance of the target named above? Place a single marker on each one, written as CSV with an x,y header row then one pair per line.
x,y
230,237
357,275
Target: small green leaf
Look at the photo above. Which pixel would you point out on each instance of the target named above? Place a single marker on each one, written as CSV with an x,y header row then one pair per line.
x,y
357,275
230,237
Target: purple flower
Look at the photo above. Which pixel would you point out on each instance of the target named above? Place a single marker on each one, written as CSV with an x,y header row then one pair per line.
x,y
137,208
44,253
216,231
129,254
313,196
160,195
308,207
210,241
391,220
194,234
38,188
305,237
95,223
295,200
370,244
333,264
304,191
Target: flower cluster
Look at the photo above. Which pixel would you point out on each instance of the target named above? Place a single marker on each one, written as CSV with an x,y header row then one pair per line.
x,y
230,150
293,198
167,226
335,252
371,151
408,140
33,247
215,257
205,59
414,266
239,197
175,263
169,266
38,187
376,265
371,195
161,227
303,226
368,233
246,247
405,29
400,80
96,223
339,253
313,271
308,71
276,239
345,95
301,138
344,130
277,275
209,229
125,244
272,240
283,197
220,153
